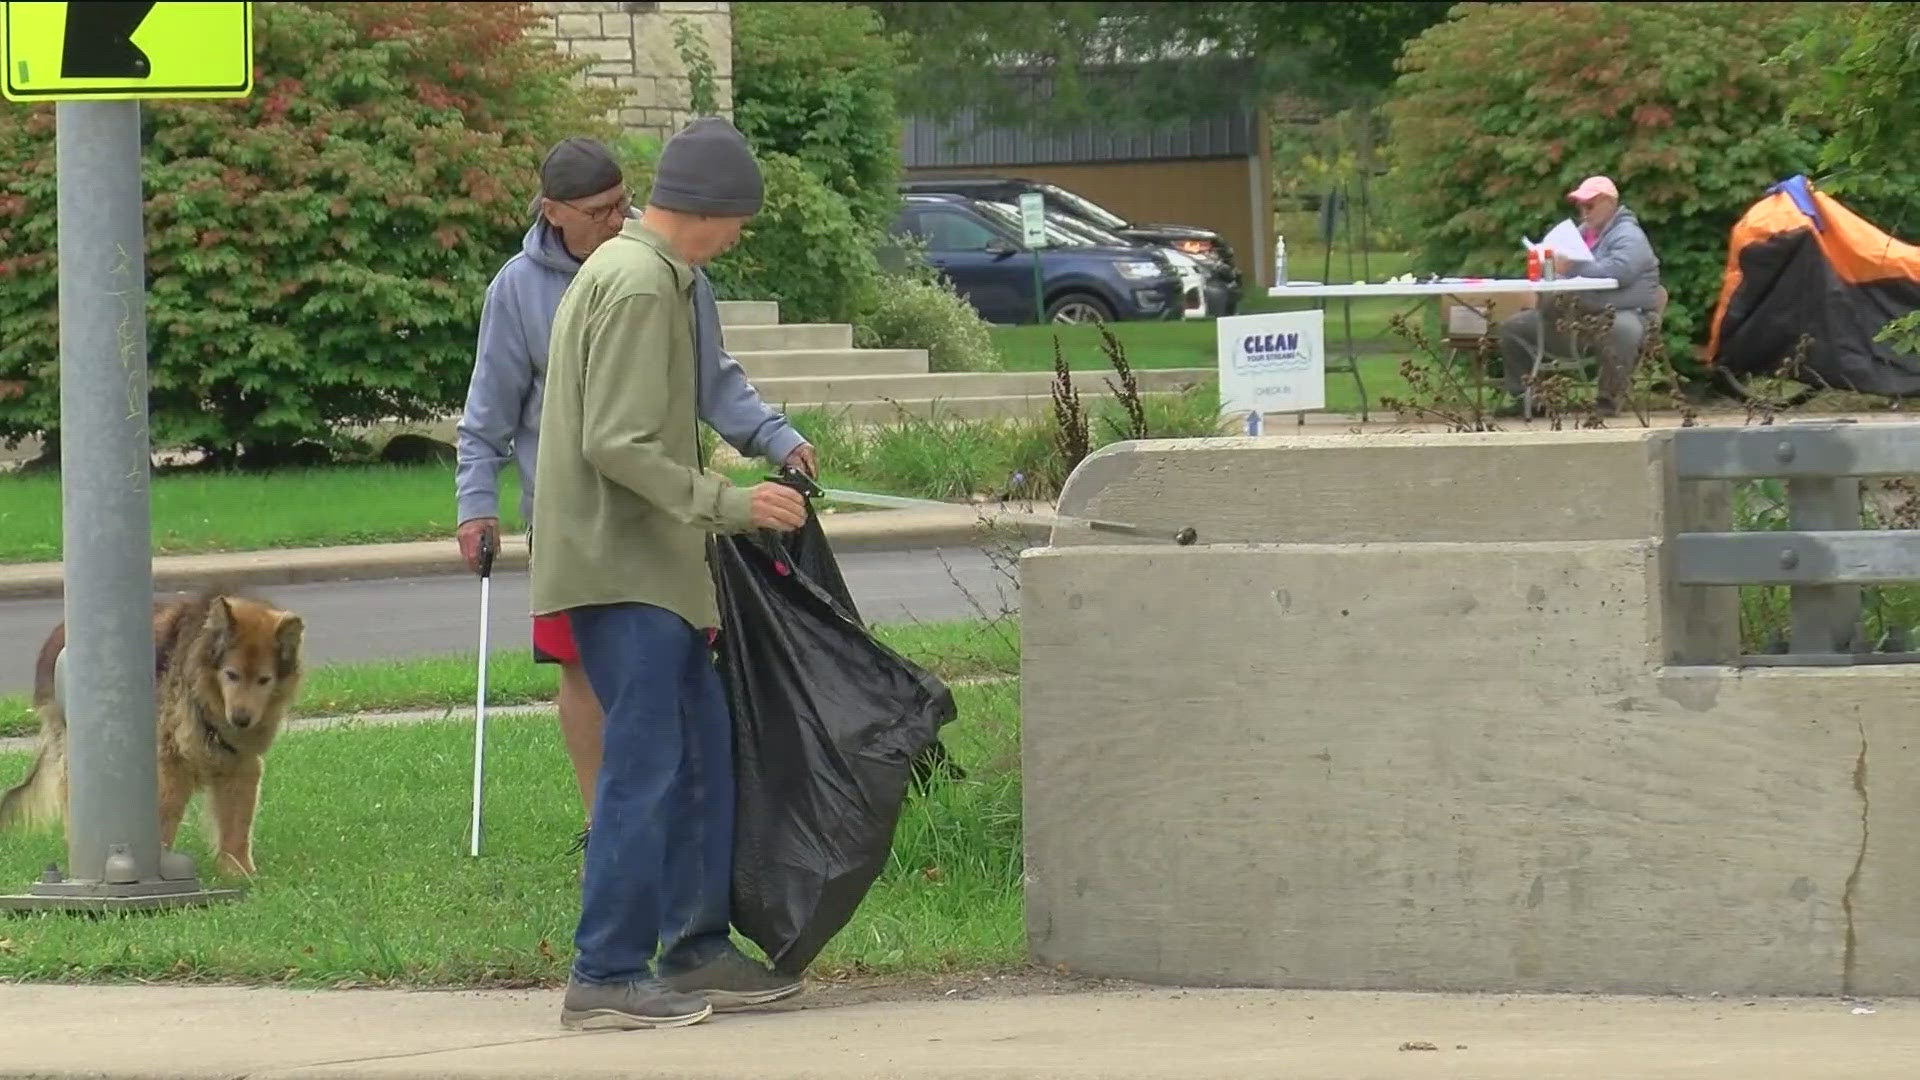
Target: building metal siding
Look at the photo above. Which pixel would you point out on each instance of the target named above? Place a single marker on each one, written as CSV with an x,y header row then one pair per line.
x,y
1214,171
962,142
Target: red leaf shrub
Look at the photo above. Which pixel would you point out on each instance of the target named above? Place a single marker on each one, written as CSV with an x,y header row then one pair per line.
x,y
316,254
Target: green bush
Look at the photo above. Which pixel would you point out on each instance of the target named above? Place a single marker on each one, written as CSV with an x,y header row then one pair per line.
x,y
638,156
1868,95
815,81
803,249
1503,108
920,312
316,254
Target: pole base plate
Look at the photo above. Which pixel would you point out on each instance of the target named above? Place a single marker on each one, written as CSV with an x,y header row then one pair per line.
x,y
93,897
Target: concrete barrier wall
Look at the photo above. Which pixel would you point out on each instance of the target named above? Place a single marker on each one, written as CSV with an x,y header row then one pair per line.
x,y
1340,489
1429,764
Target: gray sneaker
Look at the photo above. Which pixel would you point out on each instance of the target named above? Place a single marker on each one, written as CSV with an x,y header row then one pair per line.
x,y
629,1006
731,981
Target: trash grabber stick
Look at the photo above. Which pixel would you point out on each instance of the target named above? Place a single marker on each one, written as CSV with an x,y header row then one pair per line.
x,y
480,694
1182,536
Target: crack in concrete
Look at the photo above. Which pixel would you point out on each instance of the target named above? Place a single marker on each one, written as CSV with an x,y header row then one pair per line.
x,y
1859,860
290,1070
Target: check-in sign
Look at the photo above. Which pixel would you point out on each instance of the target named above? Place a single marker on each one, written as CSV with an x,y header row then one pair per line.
x,y
1273,363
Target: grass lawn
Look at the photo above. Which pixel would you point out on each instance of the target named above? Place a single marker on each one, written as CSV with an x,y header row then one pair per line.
x,y
365,878
955,650
1192,343
1163,345
1186,343
196,512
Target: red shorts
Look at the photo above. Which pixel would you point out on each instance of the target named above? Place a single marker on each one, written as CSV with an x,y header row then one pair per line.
x,y
553,639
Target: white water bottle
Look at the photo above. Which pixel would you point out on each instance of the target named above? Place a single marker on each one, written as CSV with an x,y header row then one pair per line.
x,y
1279,260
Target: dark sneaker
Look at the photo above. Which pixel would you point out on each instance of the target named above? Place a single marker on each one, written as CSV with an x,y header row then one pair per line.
x,y
731,981
629,1006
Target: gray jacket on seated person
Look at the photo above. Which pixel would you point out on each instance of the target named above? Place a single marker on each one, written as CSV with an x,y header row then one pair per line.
x,y
1622,253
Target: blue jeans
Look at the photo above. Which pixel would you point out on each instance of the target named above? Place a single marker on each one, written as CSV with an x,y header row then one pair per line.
x,y
660,854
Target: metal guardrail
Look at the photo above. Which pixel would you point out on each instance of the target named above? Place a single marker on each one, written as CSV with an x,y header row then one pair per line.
x,y
1824,556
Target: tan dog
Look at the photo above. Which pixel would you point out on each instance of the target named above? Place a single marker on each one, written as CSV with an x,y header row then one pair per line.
x,y
226,668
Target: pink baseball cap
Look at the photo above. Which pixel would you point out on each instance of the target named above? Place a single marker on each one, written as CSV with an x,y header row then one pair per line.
x,y
1593,187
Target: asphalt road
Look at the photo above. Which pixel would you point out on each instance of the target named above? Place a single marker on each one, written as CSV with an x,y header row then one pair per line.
x,y
370,620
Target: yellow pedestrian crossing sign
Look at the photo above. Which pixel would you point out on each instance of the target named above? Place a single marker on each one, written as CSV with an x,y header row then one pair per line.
x,y
114,51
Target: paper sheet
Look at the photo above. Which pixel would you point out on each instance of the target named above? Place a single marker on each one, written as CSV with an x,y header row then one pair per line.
x,y
1563,239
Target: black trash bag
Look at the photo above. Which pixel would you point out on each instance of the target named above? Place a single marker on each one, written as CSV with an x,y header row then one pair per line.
x,y
828,724
807,550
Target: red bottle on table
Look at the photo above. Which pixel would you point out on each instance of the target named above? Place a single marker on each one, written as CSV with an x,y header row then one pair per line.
x,y
1533,264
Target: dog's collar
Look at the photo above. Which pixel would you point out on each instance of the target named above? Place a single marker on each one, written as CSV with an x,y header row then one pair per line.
x,y
212,733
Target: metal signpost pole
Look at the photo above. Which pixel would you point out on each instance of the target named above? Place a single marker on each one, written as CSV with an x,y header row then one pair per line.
x,y
1033,226
105,522
105,674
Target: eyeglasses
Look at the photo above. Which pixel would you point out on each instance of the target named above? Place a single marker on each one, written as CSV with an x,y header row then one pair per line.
x,y
612,213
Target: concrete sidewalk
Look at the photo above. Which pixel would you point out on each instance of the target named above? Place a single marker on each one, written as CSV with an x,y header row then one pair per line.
x,y
876,530
148,1032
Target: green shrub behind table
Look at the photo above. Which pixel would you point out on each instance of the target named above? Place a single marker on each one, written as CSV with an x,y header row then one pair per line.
x,y
317,254
1867,92
1503,108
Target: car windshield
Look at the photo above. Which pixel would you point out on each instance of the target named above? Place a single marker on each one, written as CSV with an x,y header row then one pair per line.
x,y
1088,233
1009,216
1099,215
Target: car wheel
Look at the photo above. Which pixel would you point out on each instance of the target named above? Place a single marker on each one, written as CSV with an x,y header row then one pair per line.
x,y
1079,308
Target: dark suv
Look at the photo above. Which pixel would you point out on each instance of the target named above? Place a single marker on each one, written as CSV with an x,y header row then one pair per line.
x,y
977,246
1214,254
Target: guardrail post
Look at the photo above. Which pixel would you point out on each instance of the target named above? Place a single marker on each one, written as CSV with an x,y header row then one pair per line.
x,y
1825,618
1825,555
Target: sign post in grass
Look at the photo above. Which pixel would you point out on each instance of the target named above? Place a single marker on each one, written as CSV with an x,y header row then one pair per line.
x,y
96,61
1033,228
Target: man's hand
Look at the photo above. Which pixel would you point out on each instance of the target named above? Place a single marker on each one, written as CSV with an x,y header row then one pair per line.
x,y
470,533
778,507
803,459
1561,264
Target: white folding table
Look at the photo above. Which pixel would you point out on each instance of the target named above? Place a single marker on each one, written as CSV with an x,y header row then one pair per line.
x,y
1450,287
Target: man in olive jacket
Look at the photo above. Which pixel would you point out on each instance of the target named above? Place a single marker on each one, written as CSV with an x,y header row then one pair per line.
x,y
623,507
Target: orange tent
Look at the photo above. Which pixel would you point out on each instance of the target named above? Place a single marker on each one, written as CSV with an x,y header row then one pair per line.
x,y
1802,266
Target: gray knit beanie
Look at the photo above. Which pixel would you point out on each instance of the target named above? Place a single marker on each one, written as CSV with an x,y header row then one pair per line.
x,y
707,169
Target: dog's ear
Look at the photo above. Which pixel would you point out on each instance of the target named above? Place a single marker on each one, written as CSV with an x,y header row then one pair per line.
x,y
219,627
287,639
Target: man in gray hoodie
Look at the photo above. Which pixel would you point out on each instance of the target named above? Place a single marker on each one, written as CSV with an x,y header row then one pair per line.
x,y
583,202
1622,252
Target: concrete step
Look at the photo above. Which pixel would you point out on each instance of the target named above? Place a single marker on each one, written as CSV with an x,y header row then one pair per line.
x,y
749,312
855,388
1002,407
788,336
815,363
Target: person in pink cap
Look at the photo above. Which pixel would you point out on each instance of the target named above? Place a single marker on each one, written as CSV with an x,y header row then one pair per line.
x,y
1622,252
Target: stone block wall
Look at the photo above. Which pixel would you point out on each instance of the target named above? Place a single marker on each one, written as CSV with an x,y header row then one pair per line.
x,y
633,49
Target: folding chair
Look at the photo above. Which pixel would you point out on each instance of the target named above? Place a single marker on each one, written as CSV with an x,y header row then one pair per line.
x,y
1580,355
